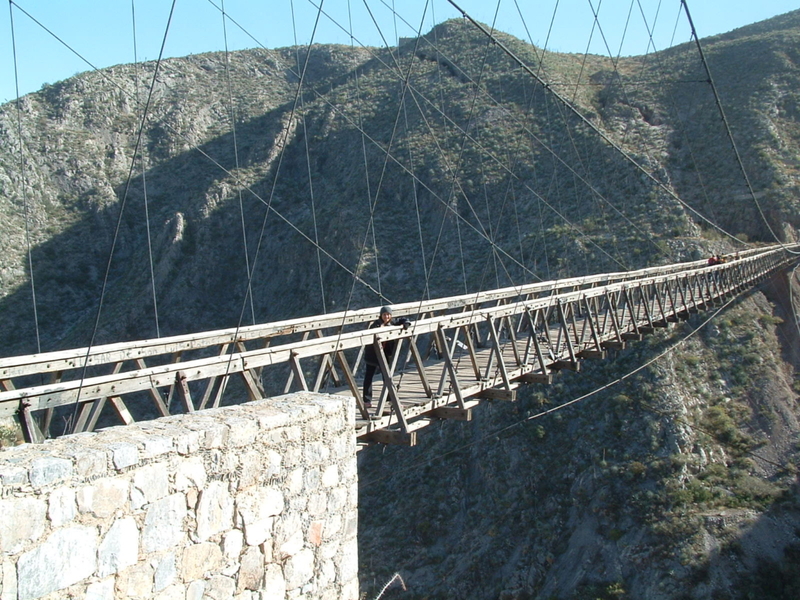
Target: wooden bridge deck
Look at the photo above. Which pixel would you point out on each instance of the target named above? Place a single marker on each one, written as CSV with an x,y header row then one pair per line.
x,y
457,351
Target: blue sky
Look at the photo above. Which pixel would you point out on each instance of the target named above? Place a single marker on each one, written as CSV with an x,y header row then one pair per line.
x,y
102,31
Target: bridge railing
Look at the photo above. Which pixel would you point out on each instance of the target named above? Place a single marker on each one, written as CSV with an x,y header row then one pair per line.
x,y
565,319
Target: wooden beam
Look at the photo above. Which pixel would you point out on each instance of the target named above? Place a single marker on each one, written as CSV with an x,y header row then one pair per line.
x,y
632,337
545,378
598,354
499,393
613,345
570,365
183,391
29,427
392,436
453,413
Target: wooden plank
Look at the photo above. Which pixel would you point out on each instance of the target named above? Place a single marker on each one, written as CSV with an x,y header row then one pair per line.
x,y
393,437
453,413
632,337
30,428
545,378
499,393
570,365
121,410
183,391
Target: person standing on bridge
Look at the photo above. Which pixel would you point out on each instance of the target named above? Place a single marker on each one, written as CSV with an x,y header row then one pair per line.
x,y
388,346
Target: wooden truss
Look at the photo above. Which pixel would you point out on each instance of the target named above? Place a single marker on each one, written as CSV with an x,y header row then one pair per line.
x,y
458,351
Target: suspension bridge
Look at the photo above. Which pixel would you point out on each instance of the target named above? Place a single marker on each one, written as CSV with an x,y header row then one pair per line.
x,y
459,350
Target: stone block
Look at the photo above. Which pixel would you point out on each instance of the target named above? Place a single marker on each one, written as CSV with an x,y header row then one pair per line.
x,y
12,476
299,569
156,445
317,504
119,548
61,506
8,581
190,473
293,434
164,523
315,428
294,481
251,470
100,590
242,431
219,588
272,466
274,583
188,442
349,590
216,436
289,526
232,544
123,455
214,510
135,582
150,483
199,560
255,508
291,545
106,497
326,573
333,526
173,592
329,549
88,463
22,520
49,471
63,559
316,453
348,561
270,419
330,476
337,499
312,479
251,570
292,456
195,590
298,503
315,533
166,573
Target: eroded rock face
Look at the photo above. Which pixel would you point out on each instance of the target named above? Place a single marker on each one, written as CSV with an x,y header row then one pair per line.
x,y
657,485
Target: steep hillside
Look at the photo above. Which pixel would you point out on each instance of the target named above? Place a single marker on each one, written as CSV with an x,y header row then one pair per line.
x,y
441,167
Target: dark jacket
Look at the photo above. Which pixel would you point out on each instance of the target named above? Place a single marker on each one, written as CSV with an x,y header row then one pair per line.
x,y
389,346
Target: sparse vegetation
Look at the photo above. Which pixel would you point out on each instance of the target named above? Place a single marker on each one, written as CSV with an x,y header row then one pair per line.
x,y
638,486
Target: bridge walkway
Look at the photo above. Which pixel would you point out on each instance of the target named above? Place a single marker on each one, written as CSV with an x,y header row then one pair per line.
x,y
458,351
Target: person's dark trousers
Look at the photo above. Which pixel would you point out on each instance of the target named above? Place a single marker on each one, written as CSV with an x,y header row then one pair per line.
x,y
369,374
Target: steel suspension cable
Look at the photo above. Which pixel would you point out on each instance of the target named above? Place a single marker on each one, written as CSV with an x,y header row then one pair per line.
x,y
559,159
143,163
123,202
232,113
193,145
308,170
335,108
591,125
24,182
679,120
728,131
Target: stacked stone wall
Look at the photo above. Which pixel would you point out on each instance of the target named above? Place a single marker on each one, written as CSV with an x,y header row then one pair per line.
x,y
254,502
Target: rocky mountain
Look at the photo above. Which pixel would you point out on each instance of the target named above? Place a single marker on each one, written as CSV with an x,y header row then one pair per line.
x,y
348,177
